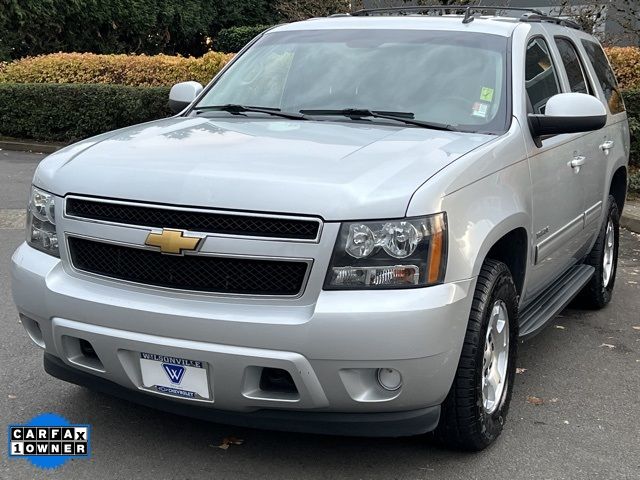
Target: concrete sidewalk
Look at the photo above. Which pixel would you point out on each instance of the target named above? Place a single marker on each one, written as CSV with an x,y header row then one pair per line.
x,y
32,146
630,218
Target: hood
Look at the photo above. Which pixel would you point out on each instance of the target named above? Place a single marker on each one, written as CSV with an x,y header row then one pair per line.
x,y
336,170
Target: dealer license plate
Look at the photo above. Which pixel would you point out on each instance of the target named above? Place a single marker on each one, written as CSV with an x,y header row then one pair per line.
x,y
178,377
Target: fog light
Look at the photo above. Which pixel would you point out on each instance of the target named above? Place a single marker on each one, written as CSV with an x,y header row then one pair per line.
x,y
389,379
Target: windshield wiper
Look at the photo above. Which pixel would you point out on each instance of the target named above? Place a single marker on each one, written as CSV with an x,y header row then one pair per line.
x,y
239,109
406,117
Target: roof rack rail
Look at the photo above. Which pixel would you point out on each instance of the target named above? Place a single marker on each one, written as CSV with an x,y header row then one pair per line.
x,y
426,8
534,17
530,14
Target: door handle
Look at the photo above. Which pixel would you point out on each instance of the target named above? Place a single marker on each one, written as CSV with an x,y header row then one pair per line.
x,y
606,146
577,162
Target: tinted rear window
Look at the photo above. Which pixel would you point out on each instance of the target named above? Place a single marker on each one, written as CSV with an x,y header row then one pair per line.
x,y
573,66
605,76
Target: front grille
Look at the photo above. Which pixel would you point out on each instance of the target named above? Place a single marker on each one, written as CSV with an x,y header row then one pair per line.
x,y
194,220
191,272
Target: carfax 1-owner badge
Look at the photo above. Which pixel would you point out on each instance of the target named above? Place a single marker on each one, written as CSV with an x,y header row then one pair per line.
x,y
49,440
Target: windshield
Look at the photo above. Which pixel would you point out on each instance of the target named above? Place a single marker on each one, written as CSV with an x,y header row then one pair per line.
x,y
449,78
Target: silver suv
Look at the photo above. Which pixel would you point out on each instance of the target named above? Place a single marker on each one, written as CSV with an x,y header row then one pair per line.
x,y
345,232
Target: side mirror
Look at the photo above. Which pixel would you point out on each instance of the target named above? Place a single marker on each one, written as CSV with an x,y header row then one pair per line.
x,y
182,94
569,113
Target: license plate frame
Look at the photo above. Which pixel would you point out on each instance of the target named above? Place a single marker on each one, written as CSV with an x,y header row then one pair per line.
x,y
175,377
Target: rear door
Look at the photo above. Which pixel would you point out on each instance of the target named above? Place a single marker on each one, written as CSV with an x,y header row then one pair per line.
x,y
594,170
610,142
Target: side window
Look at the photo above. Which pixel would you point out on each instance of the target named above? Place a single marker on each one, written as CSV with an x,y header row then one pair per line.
x,y
541,78
605,76
577,79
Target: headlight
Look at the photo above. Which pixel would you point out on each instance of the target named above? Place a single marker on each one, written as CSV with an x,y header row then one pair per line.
x,y
403,253
41,222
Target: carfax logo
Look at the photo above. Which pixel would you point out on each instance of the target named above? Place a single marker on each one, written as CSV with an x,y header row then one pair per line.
x,y
49,440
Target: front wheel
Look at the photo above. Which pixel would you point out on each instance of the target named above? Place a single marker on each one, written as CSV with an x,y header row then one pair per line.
x,y
475,409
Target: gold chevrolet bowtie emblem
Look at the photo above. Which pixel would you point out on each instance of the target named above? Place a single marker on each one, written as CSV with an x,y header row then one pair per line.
x,y
172,241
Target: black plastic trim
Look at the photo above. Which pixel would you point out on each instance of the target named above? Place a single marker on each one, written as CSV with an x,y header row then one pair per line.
x,y
176,106
200,220
537,313
542,125
198,273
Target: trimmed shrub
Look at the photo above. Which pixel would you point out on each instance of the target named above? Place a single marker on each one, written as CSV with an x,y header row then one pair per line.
x,y
232,40
626,63
632,102
634,181
72,112
133,70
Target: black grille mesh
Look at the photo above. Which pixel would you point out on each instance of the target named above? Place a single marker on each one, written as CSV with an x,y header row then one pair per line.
x,y
189,272
195,221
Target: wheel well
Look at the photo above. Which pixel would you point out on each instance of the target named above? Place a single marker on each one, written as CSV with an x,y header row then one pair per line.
x,y
619,187
512,251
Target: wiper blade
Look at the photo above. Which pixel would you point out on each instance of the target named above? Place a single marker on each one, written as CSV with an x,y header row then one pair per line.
x,y
239,109
406,117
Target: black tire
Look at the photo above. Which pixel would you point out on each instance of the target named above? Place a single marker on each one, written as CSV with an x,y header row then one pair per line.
x,y
596,294
464,424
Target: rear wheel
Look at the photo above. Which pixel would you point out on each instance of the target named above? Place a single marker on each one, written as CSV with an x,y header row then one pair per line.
x,y
476,407
604,258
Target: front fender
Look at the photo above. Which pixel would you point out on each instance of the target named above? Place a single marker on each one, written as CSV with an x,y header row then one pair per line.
x,y
486,194
483,213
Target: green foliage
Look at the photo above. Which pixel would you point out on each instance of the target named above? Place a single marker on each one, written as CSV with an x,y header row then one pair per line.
x,y
231,40
295,10
632,102
68,112
238,13
34,27
634,126
634,181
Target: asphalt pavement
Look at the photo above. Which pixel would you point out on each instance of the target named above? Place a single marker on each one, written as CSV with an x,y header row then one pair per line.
x,y
585,367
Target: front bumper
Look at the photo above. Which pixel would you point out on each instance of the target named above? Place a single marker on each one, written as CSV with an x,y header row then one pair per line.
x,y
331,347
394,424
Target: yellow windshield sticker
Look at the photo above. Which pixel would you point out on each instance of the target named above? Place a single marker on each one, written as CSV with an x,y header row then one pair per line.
x,y
486,94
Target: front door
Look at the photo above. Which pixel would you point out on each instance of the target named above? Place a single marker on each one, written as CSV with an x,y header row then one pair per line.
x,y
557,183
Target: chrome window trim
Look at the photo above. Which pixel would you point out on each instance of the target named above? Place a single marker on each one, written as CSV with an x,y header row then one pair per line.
x,y
176,208
303,286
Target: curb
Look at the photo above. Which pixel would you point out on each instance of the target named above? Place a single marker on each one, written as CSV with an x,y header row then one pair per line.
x,y
20,146
630,218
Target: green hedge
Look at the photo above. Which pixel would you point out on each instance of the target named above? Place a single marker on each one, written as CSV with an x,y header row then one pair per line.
x,y
634,182
632,102
232,40
69,112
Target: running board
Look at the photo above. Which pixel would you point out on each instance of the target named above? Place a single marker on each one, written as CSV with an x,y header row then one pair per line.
x,y
553,300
